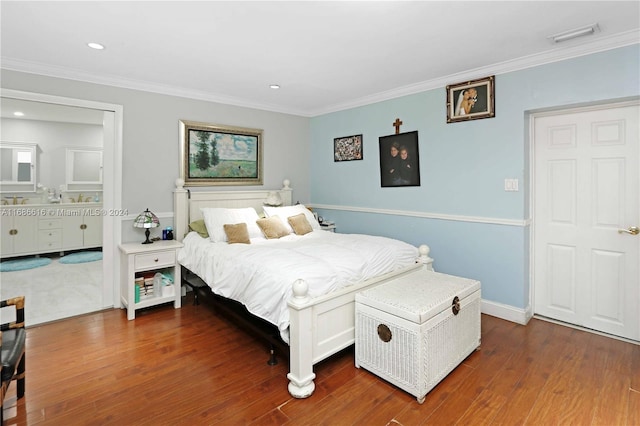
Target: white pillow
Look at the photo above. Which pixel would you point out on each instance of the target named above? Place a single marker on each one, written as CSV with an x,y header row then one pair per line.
x,y
286,212
216,217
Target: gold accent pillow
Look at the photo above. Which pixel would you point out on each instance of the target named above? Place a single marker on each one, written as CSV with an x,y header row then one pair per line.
x,y
237,233
199,227
300,224
272,227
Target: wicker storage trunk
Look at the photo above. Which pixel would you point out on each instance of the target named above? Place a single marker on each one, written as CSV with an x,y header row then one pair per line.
x,y
415,330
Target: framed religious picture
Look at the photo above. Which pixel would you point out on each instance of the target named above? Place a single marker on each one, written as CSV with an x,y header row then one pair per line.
x,y
220,155
399,160
347,148
471,100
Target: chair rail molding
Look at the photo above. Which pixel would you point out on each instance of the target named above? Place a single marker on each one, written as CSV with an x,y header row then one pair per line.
x,y
427,215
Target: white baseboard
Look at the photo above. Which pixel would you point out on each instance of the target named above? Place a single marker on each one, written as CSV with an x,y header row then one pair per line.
x,y
506,312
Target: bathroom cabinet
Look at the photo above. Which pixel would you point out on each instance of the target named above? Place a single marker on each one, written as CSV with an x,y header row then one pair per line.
x,y
47,228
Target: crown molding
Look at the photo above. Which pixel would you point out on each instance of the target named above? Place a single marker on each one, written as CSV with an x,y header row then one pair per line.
x,y
549,56
124,83
553,55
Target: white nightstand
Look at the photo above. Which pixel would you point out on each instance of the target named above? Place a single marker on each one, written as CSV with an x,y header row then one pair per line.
x,y
146,259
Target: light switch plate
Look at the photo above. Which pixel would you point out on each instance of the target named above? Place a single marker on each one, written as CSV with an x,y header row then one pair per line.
x,y
511,184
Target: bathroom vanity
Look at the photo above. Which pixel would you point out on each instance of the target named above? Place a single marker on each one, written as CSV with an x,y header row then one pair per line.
x,y
66,216
46,228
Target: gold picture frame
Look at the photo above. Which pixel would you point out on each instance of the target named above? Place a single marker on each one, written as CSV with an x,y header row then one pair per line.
x,y
220,155
471,100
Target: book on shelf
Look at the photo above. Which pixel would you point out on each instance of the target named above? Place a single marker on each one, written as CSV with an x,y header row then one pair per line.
x,y
151,284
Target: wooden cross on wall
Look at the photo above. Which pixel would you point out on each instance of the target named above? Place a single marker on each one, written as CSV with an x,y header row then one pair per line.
x,y
397,125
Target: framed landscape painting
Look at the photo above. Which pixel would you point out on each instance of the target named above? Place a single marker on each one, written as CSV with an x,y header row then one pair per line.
x,y
220,155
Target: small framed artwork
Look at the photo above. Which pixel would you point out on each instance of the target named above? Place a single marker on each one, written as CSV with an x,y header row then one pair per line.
x,y
220,155
347,148
399,160
471,100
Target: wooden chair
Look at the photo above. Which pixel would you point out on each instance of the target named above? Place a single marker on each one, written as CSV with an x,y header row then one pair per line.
x,y
12,350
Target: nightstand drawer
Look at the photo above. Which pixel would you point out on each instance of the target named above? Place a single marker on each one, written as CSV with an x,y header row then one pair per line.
x,y
154,260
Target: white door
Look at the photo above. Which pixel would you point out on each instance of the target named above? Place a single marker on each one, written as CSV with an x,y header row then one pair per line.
x,y
585,218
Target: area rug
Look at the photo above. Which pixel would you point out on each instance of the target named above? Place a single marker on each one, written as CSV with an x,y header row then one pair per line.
x,y
81,257
23,264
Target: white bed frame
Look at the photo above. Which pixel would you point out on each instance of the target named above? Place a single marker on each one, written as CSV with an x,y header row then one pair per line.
x,y
319,327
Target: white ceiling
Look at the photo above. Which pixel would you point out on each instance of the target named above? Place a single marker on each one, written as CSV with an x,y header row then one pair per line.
x,y
326,56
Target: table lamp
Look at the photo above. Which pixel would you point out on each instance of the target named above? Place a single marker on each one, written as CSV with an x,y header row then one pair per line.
x,y
146,220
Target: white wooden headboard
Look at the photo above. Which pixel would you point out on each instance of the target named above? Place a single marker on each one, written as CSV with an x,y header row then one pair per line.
x,y
187,204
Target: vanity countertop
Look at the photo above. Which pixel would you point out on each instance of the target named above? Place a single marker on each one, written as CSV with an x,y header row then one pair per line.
x,y
51,205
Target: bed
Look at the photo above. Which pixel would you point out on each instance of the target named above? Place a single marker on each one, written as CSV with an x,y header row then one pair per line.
x,y
314,314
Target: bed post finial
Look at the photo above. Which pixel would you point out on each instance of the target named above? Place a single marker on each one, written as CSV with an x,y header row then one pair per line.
x,y
286,183
180,210
300,290
424,256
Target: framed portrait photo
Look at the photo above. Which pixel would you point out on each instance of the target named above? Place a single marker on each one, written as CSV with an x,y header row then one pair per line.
x,y
399,160
347,148
220,155
471,100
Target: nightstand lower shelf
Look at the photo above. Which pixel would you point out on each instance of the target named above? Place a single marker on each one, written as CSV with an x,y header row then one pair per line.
x,y
146,303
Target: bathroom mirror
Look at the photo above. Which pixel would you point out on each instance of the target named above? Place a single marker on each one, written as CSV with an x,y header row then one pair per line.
x,y
18,166
84,168
54,128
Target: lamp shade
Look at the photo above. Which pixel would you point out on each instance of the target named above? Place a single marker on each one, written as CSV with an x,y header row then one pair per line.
x,y
146,220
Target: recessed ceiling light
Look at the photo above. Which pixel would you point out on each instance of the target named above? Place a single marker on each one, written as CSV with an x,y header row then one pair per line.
x,y
96,46
19,114
274,86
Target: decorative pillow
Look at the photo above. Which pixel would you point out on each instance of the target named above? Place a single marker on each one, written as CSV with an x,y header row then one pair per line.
x,y
285,212
199,227
272,227
300,224
216,217
237,233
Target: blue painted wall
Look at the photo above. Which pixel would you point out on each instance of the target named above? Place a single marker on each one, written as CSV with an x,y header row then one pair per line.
x,y
463,167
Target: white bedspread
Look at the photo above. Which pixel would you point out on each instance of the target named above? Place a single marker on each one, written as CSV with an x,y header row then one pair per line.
x,y
260,274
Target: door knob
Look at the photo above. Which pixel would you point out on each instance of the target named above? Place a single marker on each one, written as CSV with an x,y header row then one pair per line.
x,y
634,230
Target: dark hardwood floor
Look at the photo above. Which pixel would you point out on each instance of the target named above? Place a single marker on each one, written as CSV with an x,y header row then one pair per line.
x,y
192,366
